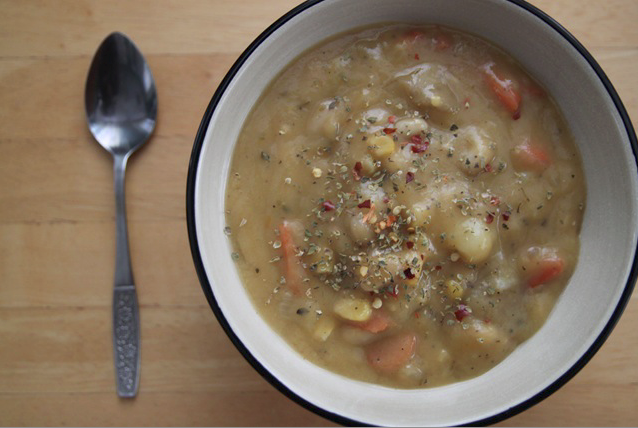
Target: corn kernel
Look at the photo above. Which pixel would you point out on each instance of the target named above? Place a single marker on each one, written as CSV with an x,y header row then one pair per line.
x,y
453,289
382,146
353,309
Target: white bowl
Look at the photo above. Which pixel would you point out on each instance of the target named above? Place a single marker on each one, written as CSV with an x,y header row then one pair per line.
x,y
583,316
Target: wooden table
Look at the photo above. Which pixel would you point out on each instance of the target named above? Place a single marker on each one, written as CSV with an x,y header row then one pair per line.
x,y
57,223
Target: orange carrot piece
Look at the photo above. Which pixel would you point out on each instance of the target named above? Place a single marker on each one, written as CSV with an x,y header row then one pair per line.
x,y
530,157
442,41
534,90
412,36
294,272
545,271
369,214
391,353
504,89
378,322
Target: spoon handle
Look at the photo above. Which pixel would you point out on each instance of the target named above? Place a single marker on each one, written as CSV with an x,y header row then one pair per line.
x,y
126,319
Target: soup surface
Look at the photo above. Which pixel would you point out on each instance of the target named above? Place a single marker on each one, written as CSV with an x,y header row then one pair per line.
x,y
404,205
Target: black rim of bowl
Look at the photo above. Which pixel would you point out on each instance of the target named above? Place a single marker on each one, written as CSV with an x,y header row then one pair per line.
x,y
201,273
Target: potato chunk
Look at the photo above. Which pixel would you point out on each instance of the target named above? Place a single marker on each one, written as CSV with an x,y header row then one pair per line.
x,y
324,328
360,231
473,239
423,211
432,85
479,336
475,150
353,309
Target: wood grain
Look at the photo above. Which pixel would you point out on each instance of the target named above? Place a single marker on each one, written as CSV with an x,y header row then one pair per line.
x,y
57,224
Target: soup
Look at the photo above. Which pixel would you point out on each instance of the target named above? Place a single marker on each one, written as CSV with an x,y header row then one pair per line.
x,y
404,205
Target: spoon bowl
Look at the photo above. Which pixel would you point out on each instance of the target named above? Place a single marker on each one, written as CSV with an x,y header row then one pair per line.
x,y
121,109
120,97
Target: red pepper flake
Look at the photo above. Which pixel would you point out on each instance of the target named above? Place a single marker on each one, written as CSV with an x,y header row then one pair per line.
x,y
418,145
416,56
392,119
393,291
506,215
495,200
328,206
461,312
437,267
516,115
391,220
389,131
488,168
418,148
408,273
416,139
416,314
410,245
409,177
489,218
356,171
364,204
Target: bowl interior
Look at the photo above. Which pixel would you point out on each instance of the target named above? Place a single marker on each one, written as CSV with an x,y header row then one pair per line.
x,y
608,236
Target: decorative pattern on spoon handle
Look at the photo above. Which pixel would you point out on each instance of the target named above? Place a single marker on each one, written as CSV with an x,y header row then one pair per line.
x,y
126,340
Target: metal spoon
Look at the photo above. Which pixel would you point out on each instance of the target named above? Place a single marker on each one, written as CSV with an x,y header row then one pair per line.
x,y
121,107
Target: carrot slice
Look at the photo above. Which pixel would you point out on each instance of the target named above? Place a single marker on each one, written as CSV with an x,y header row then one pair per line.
x,y
294,272
504,89
391,353
378,322
412,36
442,41
530,157
534,90
545,271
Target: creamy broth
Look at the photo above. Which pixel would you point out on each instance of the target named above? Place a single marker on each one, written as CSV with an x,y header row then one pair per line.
x,y
404,205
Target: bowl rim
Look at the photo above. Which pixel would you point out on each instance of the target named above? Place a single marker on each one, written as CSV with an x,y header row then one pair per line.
x,y
207,289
